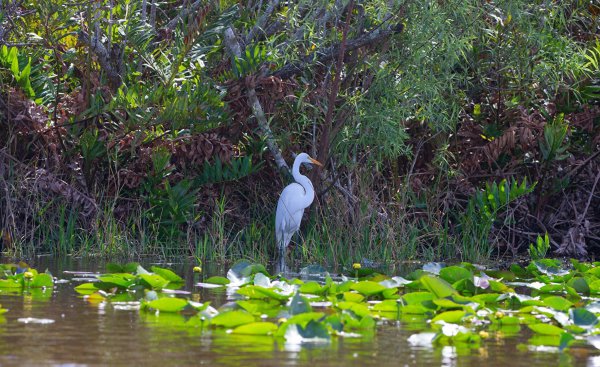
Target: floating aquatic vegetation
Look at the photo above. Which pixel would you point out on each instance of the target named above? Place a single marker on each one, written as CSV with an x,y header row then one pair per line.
x,y
20,279
460,305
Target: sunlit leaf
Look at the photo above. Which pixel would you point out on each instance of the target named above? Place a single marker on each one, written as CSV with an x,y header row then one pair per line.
x,y
256,328
167,274
86,288
42,280
168,304
368,288
154,281
545,329
217,280
231,319
557,303
450,316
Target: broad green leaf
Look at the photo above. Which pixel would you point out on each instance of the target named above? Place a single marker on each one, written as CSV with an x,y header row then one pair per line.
x,y
416,298
453,274
582,317
299,304
358,308
232,319
120,280
580,285
168,304
452,317
353,297
565,341
86,288
446,303
388,305
390,293
42,280
312,287
11,283
254,291
558,303
167,274
545,329
439,287
217,280
368,288
415,310
154,281
256,328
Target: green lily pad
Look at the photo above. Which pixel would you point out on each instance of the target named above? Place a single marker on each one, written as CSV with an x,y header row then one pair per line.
x,y
86,288
582,317
42,280
154,281
168,304
580,285
368,288
353,297
167,274
439,287
256,328
218,280
299,304
558,303
120,280
312,287
232,319
453,274
545,329
452,317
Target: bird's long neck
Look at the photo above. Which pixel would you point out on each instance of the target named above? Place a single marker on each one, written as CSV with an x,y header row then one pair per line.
x,y
304,182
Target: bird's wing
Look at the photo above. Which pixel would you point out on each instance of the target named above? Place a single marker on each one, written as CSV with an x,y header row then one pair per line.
x,y
289,213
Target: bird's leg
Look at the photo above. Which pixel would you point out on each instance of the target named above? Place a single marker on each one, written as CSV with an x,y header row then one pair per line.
x,y
280,266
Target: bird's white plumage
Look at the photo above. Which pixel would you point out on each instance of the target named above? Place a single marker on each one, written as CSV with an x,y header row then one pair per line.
x,y
294,198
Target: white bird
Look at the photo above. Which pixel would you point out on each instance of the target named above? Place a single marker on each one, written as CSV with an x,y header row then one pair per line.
x,y
294,198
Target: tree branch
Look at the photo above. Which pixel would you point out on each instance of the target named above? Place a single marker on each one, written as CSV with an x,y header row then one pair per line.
x,y
328,54
104,58
234,49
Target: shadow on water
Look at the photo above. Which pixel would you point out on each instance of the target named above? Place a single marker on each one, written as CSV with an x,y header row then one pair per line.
x,y
100,334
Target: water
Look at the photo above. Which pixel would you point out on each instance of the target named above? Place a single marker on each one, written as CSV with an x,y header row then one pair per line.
x,y
85,334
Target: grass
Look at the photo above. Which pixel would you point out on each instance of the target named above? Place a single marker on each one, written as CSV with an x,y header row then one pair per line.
x,y
333,232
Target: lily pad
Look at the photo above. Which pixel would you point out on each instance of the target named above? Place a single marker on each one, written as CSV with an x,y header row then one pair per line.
x,y
167,274
368,288
583,318
168,304
439,287
453,274
545,329
256,328
232,319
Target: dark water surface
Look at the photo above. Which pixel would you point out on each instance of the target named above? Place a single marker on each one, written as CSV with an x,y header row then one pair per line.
x,y
85,334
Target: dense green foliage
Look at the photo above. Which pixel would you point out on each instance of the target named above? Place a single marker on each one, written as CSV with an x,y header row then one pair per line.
x,y
449,129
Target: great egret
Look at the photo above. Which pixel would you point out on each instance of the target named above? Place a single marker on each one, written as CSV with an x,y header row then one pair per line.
x,y
294,198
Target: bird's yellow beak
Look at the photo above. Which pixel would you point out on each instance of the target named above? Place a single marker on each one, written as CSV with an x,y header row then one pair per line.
x,y
314,161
